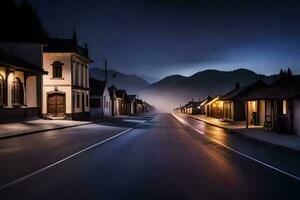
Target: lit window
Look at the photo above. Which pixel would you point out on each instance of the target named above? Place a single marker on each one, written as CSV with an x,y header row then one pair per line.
x,y
284,107
57,69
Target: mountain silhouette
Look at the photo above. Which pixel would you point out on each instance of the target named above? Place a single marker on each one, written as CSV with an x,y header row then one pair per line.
x,y
176,89
132,83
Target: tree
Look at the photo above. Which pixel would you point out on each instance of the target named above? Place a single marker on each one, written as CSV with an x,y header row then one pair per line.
x,y
282,73
289,72
31,23
8,19
20,23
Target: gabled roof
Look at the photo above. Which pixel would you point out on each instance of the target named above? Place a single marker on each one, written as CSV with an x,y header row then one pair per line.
x,y
18,63
213,100
193,104
139,101
97,87
66,46
240,92
132,97
281,89
112,91
121,93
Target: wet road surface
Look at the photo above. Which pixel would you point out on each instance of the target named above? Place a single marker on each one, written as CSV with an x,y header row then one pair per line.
x,y
160,159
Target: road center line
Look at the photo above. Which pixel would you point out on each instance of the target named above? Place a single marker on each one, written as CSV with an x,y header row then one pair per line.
x,y
70,156
236,151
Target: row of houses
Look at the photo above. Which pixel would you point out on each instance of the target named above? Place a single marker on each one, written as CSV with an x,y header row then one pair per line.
x,y
274,106
109,101
51,80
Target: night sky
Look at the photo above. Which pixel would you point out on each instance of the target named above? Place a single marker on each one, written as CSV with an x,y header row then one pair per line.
x,y
164,37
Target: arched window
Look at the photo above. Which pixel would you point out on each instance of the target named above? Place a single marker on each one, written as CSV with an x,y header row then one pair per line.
x,y
1,91
57,69
17,92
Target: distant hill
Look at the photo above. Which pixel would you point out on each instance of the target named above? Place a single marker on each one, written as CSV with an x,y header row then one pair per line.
x,y
149,79
132,83
176,89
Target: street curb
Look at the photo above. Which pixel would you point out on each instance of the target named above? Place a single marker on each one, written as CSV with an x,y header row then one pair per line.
x,y
53,129
239,134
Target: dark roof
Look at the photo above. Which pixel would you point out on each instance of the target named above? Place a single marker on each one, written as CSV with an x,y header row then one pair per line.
x,y
193,104
121,93
66,46
18,63
97,87
132,97
240,92
139,101
281,89
112,91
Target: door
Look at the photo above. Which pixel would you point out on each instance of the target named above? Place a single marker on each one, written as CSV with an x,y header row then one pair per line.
x,y
56,105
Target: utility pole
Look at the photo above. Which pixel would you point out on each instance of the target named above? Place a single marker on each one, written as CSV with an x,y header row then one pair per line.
x,y
105,65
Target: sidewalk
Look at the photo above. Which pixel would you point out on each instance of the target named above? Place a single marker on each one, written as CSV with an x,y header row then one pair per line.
x,y
283,140
14,129
218,122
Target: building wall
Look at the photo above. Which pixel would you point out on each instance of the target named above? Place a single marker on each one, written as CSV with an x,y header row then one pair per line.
x,y
80,98
73,84
262,112
31,91
29,107
106,103
62,89
228,110
63,84
297,116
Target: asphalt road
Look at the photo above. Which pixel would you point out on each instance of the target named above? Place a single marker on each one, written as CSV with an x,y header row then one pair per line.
x,y
165,158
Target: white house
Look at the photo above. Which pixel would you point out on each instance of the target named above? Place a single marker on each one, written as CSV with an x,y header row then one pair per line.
x,y
66,87
100,101
20,80
115,103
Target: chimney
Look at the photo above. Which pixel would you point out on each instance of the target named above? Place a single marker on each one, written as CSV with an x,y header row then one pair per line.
x,y
237,85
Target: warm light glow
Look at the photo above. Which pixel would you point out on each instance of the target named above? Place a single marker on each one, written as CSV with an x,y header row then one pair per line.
x,y
213,101
284,107
252,106
220,104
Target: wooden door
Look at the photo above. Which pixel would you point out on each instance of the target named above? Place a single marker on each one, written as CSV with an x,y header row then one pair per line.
x,y
56,105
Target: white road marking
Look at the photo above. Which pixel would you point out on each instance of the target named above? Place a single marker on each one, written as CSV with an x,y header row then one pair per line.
x,y
69,157
236,151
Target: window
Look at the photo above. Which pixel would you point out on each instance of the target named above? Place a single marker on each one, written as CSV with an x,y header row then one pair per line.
x,y
78,99
82,75
284,107
73,100
17,92
73,72
77,74
57,69
86,76
104,101
87,100
1,91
